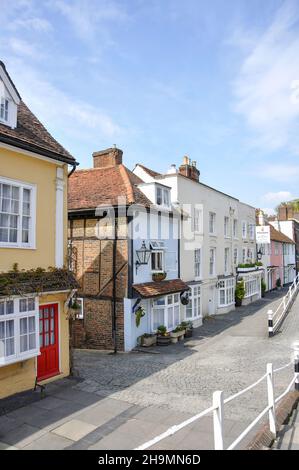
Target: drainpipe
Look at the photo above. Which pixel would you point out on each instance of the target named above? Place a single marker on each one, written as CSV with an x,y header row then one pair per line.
x,y
74,166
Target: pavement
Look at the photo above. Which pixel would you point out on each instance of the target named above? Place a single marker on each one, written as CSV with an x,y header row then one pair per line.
x,y
288,437
121,401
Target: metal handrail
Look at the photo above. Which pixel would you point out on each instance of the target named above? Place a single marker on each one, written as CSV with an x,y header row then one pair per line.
x,y
275,318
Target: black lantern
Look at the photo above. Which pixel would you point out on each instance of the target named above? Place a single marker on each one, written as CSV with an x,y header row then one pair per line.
x,y
259,255
143,255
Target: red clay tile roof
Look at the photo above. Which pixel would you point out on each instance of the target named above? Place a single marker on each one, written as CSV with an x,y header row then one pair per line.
x,y
157,289
31,135
277,236
150,172
88,189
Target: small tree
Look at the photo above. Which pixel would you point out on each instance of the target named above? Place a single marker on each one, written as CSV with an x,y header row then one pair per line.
x,y
239,292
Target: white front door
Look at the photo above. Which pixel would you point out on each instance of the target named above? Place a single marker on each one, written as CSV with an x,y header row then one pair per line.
x,y
212,301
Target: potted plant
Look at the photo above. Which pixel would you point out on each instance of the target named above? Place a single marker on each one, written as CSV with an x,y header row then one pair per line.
x,y
157,277
188,326
263,287
139,313
239,292
278,283
177,334
148,339
163,336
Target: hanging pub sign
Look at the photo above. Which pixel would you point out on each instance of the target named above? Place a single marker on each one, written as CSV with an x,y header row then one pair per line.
x,y
262,233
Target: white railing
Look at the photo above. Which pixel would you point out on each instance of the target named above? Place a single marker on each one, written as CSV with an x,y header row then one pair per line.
x,y
217,408
275,318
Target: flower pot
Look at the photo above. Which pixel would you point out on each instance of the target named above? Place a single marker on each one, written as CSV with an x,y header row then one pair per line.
x,y
177,336
147,341
157,277
163,340
189,333
238,302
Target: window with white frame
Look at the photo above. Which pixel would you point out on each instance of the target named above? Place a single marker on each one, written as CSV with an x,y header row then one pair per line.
x,y
212,223
226,260
166,311
193,309
226,292
212,261
276,248
244,229
157,261
80,313
162,196
252,285
17,214
197,263
18,329
226,227
250,256
197,218
235,256
235,228
244,259
4,103
251,231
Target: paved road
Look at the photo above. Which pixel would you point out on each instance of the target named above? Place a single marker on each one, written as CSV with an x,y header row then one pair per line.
x,y
127,399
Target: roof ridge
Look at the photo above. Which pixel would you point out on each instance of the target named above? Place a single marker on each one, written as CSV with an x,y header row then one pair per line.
x,y
127,182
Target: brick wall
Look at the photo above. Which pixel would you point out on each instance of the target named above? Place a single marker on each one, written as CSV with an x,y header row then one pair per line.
x,y
94,271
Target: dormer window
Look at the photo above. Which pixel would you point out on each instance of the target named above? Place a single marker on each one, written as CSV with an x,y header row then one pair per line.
x,y
162,197
4,109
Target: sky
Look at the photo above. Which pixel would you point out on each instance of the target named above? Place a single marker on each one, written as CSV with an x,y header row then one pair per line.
x,y
212,79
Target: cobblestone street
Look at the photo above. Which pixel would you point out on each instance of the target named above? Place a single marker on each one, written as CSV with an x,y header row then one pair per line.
x,y
123,400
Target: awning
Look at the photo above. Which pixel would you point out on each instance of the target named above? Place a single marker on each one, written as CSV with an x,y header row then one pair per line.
x,y
157,289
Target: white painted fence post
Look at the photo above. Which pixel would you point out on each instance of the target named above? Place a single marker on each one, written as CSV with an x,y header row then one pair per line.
x,y
271,399
218,420
270,322
296,364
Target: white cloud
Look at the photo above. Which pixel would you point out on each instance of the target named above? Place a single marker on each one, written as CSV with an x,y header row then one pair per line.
x,y
263,87
278,197
23,48
279,172
268,210
88,17
59,110
30,24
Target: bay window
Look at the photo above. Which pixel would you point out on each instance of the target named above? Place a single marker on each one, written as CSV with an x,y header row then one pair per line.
x,y
17,214
193,309
226,292
252,285
18,329
166,311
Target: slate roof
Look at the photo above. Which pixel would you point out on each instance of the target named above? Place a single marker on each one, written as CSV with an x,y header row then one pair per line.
x,y
157,289
88,189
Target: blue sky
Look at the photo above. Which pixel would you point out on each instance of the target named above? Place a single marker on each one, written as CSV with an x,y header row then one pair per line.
x,y
215,80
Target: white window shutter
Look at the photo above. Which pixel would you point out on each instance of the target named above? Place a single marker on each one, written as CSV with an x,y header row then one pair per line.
x,y
171,261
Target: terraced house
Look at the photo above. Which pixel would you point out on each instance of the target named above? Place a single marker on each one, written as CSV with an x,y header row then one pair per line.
x,y
34,287
124,241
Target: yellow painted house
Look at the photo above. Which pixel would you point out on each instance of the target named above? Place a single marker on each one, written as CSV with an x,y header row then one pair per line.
x,y
35,288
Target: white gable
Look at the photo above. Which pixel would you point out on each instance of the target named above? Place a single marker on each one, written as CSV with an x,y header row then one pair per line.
x,y
8,95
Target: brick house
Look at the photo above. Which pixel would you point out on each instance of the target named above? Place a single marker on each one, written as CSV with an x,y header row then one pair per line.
x,y
113,215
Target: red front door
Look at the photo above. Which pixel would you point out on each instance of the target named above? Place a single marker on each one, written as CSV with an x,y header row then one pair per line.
x,y
48,361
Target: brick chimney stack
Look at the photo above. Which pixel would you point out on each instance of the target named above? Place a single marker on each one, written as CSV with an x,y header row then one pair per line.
x,y
189,169
109,157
